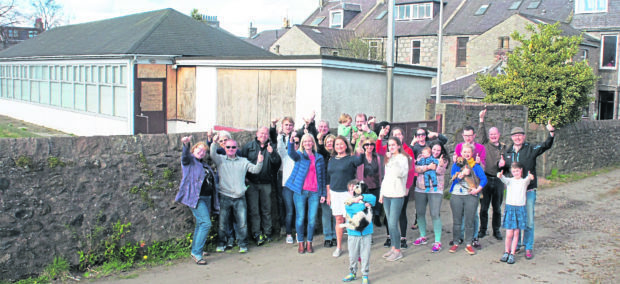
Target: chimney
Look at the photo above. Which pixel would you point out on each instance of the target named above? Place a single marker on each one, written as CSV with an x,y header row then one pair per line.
x,y
322,3
251,31
286,23
38,24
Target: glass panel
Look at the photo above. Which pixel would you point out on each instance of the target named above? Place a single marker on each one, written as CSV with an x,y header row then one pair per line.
x,y
70,74
123,75
82,75
3,88
34,91
515,5
106,100
80,97
101,75
67,95
9,88
25,90
609,51
45,75
88,75
110,75
45,92
55,93
17,89
92,98
117,75
120,101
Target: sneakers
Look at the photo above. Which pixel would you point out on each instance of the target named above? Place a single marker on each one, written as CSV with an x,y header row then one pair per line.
x,y
334,242
470,250
511,259
403,243
436,247
396,255
528,254
365,280
420,241
387,254
350,277
327,244
259,239
243,249
452,242
453,248
337,252
289,239
475,243
220,249
388,243
482,234
504,257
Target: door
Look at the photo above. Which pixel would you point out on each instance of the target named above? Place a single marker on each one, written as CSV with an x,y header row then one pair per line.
x,y
150,106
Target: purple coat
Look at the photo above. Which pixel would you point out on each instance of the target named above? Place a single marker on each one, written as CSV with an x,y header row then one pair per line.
x,y
191,183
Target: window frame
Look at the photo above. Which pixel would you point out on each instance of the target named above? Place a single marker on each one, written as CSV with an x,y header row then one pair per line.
x,y
461,52
417,7
602,62
419,49
580,6
331,19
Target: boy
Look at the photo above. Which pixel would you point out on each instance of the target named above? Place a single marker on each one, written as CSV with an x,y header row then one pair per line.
x,y
359,242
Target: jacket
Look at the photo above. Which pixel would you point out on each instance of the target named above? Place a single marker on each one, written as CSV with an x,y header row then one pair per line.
x,y
492,152
395,178
381,149
271,162
232,173
477,169
191,183
296,180
360,169
527,157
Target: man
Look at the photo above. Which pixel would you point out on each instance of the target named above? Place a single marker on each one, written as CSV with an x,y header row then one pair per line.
x,y
361,129
258,194
232,170
493,192
526,154
323,131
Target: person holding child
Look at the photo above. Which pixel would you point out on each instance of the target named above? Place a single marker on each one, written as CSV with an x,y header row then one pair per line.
x,y
464,200
430,175
359,241
514,215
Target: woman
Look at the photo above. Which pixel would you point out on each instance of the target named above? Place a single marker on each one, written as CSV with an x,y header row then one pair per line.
x,y
371,172
394,192
433,198
423,137
307,181
402,220
341,169
326,149
288,124
197,190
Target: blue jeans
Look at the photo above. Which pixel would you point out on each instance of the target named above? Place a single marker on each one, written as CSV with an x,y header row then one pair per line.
x,y
393,208
287,197
528,235
328,221
203,225
237,207
300,199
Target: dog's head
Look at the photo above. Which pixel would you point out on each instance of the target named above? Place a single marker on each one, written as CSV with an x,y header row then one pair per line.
x,y
461,162
360,188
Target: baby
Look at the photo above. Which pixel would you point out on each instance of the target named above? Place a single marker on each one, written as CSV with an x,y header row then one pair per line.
x,y
430,176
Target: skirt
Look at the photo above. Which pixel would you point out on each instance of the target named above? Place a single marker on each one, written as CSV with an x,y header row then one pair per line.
x,y
514,217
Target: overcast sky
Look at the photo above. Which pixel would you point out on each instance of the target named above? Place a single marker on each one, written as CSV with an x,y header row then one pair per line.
x,y
234,15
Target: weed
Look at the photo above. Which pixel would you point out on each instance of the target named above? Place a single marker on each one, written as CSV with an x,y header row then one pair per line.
x,y
57,269
24,162
54,162
168,174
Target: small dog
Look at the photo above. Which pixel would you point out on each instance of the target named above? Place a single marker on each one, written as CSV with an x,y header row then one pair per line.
x,y
361,219
470,178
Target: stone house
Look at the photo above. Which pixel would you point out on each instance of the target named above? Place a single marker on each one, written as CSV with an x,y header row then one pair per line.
x,y
12,35
305,40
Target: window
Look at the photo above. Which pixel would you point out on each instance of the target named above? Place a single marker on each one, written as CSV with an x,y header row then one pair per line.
x,y
515,5
317,21
461,51
414,11
373,50
381,15
335,19
481,10
534,4
32,34
415,51
608,54
335,53
590,6
504,42
403,12
583,55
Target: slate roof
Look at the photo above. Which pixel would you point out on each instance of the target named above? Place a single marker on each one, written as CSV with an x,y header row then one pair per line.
x,y
266,38
466,85
160,32
364,6
567,29
327,37
608,21
465,22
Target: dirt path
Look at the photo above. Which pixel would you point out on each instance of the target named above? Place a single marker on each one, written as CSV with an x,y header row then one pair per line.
x,y
577,241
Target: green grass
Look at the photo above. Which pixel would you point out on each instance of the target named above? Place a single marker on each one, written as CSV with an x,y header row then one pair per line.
x,y
7,130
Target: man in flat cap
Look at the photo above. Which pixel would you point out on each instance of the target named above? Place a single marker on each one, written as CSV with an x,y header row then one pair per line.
x,y
526,154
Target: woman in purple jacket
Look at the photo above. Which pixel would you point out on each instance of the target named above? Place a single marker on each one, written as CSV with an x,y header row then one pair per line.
x,y
198,189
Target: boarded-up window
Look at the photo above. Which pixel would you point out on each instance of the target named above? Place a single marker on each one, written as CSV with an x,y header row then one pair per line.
x,y
461,51
186,93
151,96
146,71
171,93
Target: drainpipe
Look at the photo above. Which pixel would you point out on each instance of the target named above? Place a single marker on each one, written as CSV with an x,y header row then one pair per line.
x,y
131,116
439,44
390,62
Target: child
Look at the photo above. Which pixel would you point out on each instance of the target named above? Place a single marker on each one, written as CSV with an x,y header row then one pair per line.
x,y
344,126
514,214
430,176
359,242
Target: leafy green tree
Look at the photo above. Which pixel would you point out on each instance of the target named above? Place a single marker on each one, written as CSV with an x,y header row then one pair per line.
x,y
541,75
196,15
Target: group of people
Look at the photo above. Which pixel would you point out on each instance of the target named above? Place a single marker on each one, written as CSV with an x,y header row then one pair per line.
x,y
317,170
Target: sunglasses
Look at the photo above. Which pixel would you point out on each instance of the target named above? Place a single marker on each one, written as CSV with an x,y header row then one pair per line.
x,y
368,144
296,142
420,134
231,147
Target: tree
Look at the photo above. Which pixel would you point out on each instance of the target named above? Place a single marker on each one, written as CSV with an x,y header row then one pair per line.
x,y
360,47
49,11
196,15
541,75
9,16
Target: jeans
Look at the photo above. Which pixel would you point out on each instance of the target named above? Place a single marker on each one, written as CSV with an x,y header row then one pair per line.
x,y
476,225
393,208
287,196
328,221
312,200
376,210
203,225
433,200
259,208
528,235
402,219
492,194
237,207
463,207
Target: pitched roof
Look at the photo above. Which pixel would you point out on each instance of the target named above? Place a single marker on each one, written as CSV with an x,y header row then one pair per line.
x,y
266,38
466,22
567,29
160,32
605,21
327,37
357,8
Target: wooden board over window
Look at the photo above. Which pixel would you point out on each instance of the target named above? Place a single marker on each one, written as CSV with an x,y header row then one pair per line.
x,y
171,93
251,98
146,71
186,93
152,96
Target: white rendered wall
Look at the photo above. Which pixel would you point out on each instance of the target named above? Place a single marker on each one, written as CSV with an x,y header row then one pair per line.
x,y
78,123
206,103
308,98
410,95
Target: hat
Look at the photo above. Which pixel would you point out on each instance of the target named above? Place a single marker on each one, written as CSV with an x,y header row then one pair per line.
x,y
517,130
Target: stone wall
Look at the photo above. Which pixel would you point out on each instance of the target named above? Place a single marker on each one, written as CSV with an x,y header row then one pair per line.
x,y
54,193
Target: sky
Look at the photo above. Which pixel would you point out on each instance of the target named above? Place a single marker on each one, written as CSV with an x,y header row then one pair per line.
x,y
234,15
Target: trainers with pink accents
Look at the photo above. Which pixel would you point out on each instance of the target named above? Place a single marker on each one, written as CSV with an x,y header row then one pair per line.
x,y
436,247
420,241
